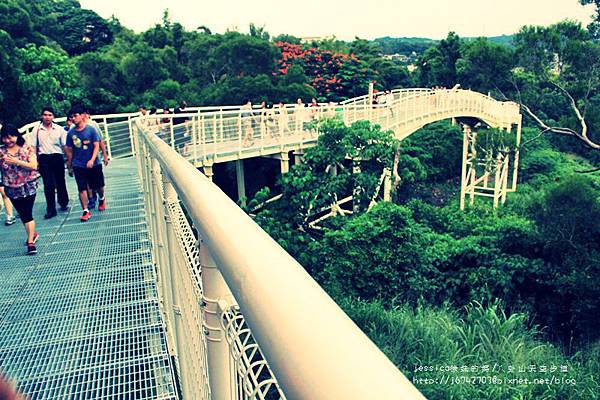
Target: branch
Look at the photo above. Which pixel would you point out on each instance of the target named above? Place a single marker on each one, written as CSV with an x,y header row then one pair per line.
x,y
532,139
589,171
555,129
583,134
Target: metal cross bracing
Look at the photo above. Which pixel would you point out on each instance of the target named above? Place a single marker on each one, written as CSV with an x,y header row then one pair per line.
x,y
81,319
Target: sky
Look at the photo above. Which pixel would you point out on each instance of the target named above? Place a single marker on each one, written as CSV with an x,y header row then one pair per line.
x,y
346,19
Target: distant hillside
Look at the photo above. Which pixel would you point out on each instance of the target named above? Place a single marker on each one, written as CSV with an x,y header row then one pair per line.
x,y
404,45
505,40
390,45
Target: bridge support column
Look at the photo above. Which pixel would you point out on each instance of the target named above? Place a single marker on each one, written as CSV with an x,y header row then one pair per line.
x,y
333,170
285,162
208,171
216,299
356,189
516,156
298,154
241,183
467,181
387,185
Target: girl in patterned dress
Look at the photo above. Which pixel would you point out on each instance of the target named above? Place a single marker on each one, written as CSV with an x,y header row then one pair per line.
x,y
20,178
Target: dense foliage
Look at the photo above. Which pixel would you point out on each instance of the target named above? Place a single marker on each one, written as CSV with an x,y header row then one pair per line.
x,y
429,283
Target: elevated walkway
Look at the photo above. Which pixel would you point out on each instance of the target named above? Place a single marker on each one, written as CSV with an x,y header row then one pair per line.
x,y
107,308
81,320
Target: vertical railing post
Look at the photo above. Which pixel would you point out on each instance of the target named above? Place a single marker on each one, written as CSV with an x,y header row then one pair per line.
x,y
195,122
240,133
216,298
221,127
214,134
130,125
203,138
172,133
107,139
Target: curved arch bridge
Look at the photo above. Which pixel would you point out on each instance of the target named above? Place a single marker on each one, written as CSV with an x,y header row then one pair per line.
x,y
220,135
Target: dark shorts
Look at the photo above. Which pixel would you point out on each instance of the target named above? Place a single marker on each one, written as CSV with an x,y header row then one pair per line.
x,y
92,177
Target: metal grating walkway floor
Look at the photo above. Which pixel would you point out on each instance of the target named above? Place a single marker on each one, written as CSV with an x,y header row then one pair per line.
x,y
81,320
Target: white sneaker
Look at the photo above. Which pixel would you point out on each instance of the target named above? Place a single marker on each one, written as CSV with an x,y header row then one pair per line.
x,y
10,220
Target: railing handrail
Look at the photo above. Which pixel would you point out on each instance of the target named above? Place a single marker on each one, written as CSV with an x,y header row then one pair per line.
x,y
312,346
233,110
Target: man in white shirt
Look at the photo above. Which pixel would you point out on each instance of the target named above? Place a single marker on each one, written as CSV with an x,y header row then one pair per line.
x,y
49,139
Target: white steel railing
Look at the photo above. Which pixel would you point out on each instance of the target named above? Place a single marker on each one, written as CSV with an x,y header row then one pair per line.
x,y
210,136
115,130
241,313
224,133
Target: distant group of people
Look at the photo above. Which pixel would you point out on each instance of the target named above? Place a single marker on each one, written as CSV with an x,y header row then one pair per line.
x,y
165,123
22,165
269,120
383,98
274,120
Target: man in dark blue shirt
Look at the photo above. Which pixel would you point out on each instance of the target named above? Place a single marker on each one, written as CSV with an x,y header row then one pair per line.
x,y
82,148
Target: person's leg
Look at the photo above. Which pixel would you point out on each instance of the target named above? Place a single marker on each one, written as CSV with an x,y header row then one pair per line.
x,y
83,199
58,169
30,229
8,207
91,198
97,182
24,206
45,169
81,179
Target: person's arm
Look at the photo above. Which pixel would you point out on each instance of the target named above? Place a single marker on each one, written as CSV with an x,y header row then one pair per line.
x,y
31,164
104,153
91,161
69,153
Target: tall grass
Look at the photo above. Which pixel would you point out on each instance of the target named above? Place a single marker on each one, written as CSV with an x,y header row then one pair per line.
x,y
483,336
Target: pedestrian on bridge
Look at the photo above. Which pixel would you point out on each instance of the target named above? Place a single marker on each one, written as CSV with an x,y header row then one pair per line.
x,y
82,148
92,195
20,177
49,141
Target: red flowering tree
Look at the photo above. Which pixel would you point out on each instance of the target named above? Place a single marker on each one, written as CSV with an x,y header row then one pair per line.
x,y
335,76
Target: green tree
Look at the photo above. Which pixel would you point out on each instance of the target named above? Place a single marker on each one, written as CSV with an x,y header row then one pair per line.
x,y
9,76
390,74
559,60
102,80
50,78
143,67
15,20
83,30
437,66
485,66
